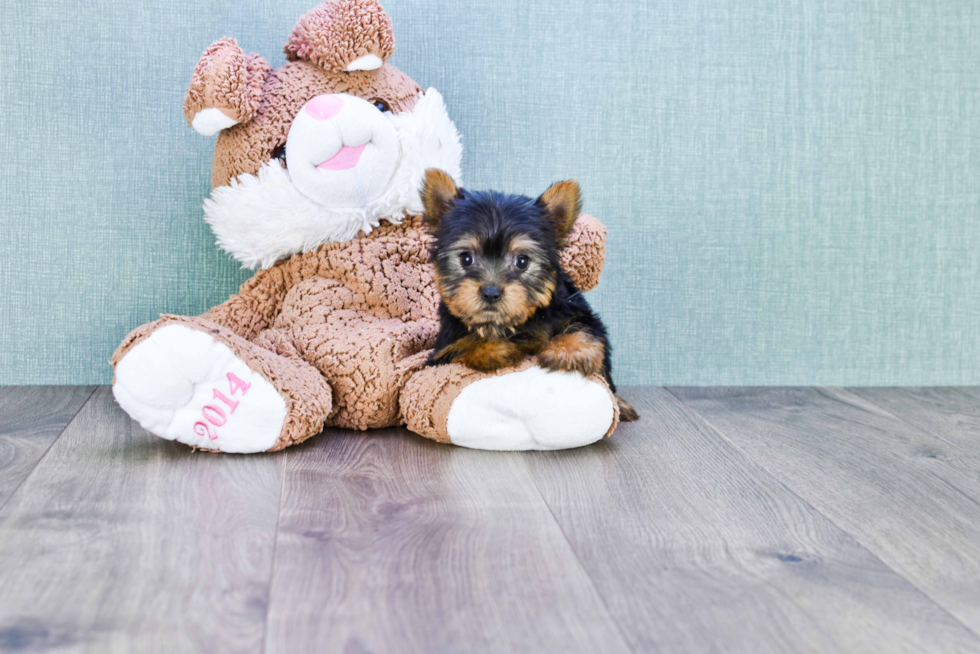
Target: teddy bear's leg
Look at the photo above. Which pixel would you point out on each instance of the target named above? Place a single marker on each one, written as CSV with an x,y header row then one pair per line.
x,y
367,361
193,381
520,408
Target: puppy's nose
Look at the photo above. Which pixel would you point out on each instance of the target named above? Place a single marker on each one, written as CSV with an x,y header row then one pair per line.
x,y
490,293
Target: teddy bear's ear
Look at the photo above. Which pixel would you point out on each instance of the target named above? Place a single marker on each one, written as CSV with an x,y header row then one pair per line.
x,y
343,35
226,88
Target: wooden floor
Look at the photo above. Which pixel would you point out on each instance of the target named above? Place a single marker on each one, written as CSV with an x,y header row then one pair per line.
x,y
728,520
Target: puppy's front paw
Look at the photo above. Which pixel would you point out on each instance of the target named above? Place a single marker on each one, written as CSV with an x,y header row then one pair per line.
x,y
482,355
492,355
575,352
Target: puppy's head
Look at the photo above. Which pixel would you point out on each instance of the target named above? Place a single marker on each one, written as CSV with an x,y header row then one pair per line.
x,y
496,255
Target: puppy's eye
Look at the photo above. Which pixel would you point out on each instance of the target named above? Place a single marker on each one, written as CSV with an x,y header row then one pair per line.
x,y
522,262
381,106
466,259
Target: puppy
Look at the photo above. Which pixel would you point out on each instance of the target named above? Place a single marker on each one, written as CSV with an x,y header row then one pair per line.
x,y
504,293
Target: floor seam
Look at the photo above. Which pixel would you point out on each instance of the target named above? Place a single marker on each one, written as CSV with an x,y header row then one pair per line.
x,y
571,548
37,463
857,540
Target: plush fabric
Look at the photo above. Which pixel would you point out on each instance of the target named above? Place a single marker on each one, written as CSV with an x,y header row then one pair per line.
x,y
516,411
226,80
509,409
335,34
316,143
307,396
198,380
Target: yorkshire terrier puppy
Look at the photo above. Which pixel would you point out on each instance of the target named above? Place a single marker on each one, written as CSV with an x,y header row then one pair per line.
x,y
504,293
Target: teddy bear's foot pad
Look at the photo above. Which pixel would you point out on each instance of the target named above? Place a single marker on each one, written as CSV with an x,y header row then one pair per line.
x,y
183,385
533,409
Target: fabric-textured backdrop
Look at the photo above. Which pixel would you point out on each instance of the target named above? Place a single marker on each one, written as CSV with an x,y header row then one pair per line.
x,y
792,186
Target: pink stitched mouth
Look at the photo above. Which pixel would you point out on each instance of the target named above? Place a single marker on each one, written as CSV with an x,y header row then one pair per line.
x,y
346,158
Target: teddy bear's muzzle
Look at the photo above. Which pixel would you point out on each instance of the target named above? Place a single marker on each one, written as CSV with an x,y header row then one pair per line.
x,y
341,151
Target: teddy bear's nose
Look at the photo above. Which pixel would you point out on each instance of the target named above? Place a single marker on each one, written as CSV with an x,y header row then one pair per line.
x,y
324,106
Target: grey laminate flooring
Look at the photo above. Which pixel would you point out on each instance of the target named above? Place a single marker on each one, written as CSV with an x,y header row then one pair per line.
x,y
727,520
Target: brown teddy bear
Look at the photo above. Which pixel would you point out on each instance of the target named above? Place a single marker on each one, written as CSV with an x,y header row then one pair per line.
x,y
316,178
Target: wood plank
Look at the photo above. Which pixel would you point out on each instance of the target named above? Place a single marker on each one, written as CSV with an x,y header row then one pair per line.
x,y
694,548
950,413
122,542
904,494
31,418
391,543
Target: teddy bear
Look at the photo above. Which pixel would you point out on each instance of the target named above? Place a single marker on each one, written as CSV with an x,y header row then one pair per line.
x,y
315,182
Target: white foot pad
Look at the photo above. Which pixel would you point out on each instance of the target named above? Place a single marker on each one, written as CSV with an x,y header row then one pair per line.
x,y
530,410
182,385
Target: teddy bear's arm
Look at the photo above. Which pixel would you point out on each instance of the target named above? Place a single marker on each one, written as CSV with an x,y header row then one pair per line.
x,y
585,253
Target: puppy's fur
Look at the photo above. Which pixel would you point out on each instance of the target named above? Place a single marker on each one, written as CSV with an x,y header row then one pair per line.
x,y
504,293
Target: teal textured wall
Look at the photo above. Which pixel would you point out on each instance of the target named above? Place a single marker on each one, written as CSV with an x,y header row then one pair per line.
x,y
792,186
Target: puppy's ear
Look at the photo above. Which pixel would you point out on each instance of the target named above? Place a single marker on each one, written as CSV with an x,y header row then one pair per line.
x,y
563,203
439,194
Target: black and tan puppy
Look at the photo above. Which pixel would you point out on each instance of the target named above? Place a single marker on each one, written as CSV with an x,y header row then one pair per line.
x,y
504,293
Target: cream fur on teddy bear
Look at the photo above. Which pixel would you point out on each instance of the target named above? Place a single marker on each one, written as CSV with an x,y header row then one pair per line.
x,y
316,178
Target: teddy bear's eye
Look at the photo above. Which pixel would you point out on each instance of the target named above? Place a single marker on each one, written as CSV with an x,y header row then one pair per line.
x,y
280,154
466,259
381,106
